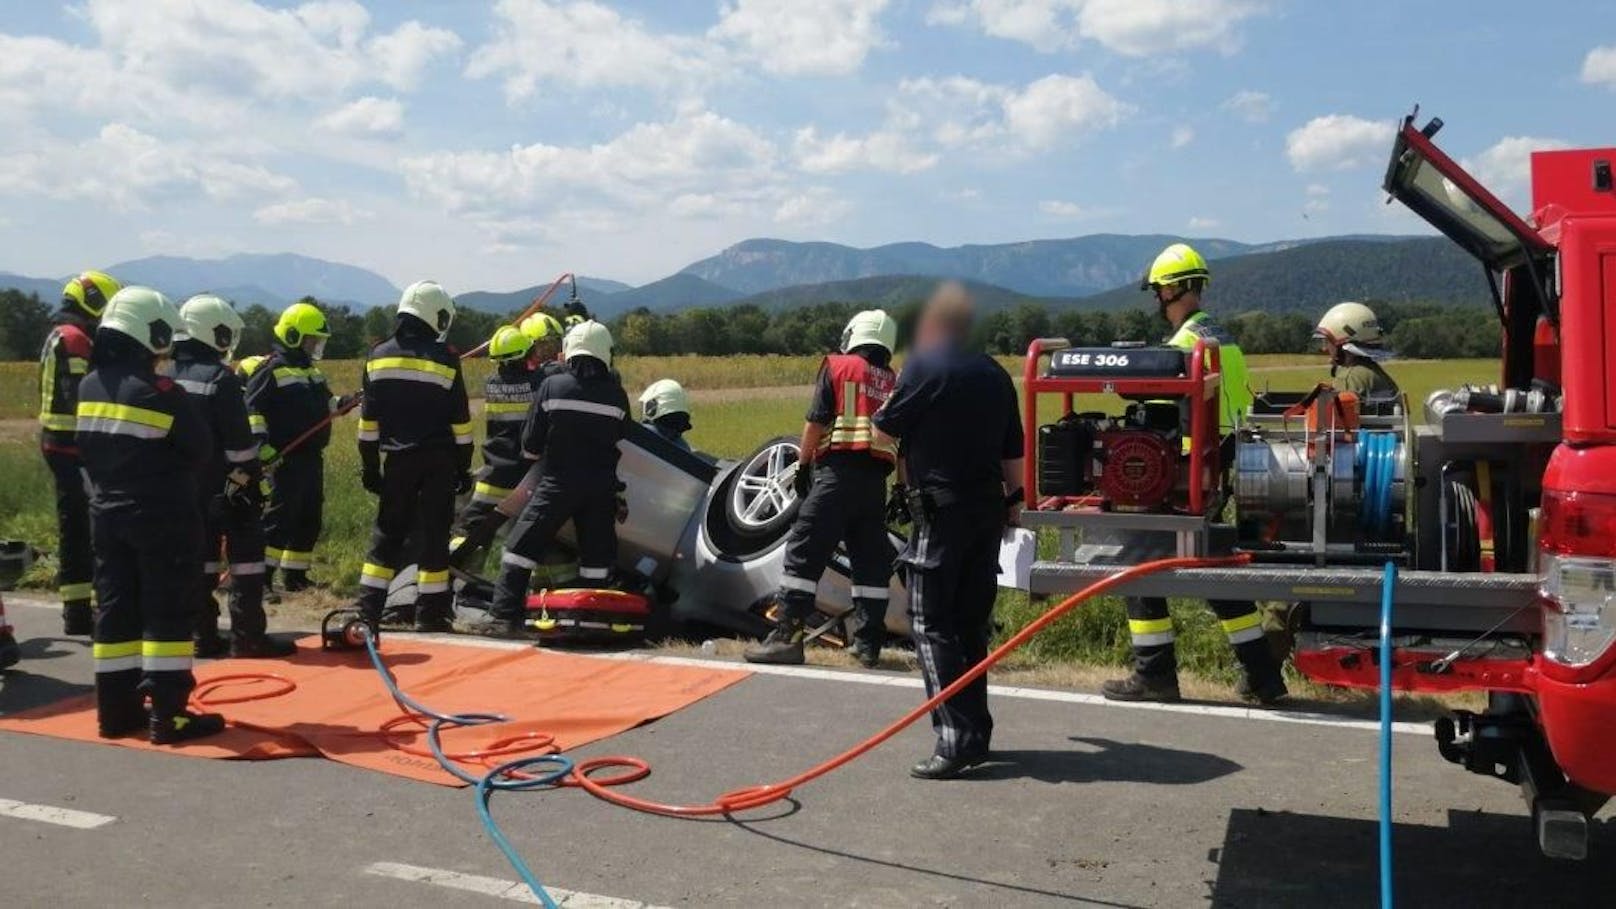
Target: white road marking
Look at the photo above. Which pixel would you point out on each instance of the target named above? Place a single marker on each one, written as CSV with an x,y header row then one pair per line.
x,y
48,814
1306,718
515,891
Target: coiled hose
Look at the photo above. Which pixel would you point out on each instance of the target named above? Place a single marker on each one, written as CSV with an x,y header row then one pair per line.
x,y
1377,466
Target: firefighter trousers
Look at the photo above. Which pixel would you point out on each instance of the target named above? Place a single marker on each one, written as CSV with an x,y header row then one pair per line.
x,y
296,505
476,525
951,567
846,504
417,497
590,502
75,563
147,561
1154,656
233,541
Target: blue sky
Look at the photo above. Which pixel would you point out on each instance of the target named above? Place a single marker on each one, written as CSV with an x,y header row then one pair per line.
x,y
491,145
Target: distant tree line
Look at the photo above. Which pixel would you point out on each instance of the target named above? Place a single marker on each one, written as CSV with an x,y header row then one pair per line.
x,y
1418,330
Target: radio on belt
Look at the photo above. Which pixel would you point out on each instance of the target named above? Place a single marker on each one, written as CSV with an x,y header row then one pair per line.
x,y
1160,453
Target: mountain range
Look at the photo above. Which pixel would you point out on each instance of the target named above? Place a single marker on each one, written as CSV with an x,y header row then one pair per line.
x,y
1095,271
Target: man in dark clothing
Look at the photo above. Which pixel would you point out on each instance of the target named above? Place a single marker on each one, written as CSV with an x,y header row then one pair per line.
x,y
142,444
63,362
954,413
228,486
507,395
665,410
414,412
842,473
573,429
287,396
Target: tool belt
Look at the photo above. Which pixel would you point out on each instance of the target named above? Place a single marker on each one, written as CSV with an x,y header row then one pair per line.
x,y
926,503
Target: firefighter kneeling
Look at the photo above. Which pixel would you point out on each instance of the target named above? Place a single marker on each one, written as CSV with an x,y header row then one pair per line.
x,y
142,444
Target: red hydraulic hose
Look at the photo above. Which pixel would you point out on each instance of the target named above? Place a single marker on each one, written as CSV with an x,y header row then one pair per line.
x,y
535,306
752,797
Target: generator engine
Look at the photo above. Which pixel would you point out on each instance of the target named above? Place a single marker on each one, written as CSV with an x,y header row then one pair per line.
x,y
1132,462
1318,479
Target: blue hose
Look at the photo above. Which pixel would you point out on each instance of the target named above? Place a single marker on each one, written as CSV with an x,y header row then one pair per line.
x,y
1387,583
557,767
1376,462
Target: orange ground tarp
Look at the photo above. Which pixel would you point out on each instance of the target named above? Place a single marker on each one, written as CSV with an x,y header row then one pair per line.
x,y
339,704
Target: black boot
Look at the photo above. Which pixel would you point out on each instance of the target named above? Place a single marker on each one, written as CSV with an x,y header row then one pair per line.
x,y
434,621
211,645
295,580
1138,688
10,653
871,633
260,647
398,618
491,626
1262,682
78,618
120,708
782,647
272,594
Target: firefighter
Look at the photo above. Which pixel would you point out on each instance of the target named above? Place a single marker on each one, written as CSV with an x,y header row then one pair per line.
x,y
507,395
954,412
416,415
143,443
287,396
573,429
62,364
842,480
228,486
665,410
1350,335
1178,277
546,334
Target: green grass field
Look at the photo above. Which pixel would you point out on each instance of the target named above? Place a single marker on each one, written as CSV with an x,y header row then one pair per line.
x,y
731,426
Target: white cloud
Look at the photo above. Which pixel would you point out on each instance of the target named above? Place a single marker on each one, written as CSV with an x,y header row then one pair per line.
x,y
1599,67
1057,107
1317,201
310,210
1058,208
367,116
792,38
127,169
813,207
1250,106
1203,223
1182,136
584,43
1337,142
403,55
1505,166
1134,28
883,150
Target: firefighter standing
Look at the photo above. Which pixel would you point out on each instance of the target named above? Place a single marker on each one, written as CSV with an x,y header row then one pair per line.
x,y
842,479
955,413
287,396
573,428
228,485
507,395
665,410
142,443
62,364
1351,336
415,413
1178,277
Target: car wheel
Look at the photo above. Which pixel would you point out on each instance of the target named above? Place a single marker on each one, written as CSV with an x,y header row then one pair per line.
x,y
760,501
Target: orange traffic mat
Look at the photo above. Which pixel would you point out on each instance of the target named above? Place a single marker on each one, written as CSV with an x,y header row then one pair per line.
x,y
334,704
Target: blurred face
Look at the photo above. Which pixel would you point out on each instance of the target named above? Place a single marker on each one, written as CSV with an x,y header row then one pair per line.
x,y
314,347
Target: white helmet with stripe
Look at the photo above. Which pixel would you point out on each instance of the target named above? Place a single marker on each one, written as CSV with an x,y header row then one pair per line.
x,y
213,321
662,398
430,303
1353,328
588,339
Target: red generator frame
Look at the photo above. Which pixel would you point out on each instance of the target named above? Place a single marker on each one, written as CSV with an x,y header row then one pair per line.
x,y
1201,386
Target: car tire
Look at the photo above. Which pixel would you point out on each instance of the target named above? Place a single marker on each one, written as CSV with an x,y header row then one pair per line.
x,y
758,499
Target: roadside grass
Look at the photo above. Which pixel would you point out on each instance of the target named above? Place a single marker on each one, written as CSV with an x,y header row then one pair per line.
x,y
1093,635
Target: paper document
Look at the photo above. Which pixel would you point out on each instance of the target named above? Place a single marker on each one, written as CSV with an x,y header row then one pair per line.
x,y
1016,555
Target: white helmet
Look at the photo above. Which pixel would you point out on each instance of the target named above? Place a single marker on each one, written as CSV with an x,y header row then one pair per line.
x,y
662,398
211,320
430,303
144,315
871,326
1353,328
588,339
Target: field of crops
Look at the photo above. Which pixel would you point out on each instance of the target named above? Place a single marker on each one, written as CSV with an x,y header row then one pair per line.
x,y
727,425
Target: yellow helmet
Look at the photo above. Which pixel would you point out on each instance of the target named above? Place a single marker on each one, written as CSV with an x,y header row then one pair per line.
x,y
542,327
1175,265
89,292
508,343
299,321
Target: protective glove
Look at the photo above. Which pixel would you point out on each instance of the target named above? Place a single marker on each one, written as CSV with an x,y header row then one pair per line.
x,y
463,484
622,503
803,480
266,453
898,505
371,478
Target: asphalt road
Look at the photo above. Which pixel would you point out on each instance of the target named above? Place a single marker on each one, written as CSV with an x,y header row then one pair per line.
x,y
1090,805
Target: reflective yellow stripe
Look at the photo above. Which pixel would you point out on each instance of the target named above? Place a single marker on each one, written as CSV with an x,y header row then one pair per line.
x,y
370,430
167,648
113,651
380,572
104,410
1150,626
47,387
257,422
1241,623
430,577
58,422
413,369
462,433
505,407
490,489
78,366
76,591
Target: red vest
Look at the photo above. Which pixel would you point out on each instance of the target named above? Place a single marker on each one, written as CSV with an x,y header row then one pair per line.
x,y
860,390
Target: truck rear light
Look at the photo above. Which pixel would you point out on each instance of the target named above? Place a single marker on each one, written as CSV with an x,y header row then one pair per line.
x,y
1577,541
